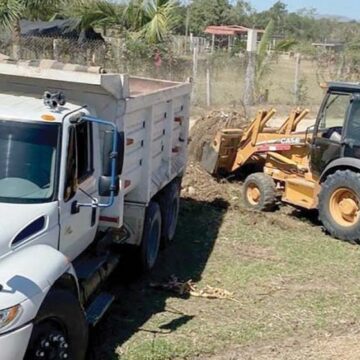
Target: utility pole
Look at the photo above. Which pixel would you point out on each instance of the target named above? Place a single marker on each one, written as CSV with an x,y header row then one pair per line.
x,y
297,78
251,68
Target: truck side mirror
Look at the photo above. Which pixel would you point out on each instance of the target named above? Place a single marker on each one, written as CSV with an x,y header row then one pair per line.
x,y
105,179
105,186
107,153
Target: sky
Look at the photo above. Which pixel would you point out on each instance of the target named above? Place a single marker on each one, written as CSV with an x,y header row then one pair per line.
x,y
348,8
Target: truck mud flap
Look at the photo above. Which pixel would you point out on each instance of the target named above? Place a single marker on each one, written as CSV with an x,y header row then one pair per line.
x,y
209,159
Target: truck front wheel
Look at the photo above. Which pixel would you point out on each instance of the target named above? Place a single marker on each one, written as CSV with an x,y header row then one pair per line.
x,y
339,205
150,244
60,330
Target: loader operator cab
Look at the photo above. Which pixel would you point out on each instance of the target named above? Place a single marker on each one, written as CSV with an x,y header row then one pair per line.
x,y
337,129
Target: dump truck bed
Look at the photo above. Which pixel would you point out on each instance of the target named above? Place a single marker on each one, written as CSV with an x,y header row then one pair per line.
x,y
154,115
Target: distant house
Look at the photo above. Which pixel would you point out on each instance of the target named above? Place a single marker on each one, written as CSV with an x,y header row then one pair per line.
x,y
230,32
66,29
330,46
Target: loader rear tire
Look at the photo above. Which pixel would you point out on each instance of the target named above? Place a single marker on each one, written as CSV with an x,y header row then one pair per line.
x,y
339,205
259,192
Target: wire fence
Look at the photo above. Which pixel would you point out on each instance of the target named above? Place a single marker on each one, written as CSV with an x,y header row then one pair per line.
x,y
219,78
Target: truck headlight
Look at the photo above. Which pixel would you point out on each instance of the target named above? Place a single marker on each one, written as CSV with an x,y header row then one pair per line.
x,y
7,316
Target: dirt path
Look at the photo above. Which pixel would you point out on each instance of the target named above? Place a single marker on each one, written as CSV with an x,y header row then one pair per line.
x,y
330,347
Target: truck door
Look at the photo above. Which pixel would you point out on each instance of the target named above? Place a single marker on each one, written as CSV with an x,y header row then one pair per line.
x,y
78,225
328,133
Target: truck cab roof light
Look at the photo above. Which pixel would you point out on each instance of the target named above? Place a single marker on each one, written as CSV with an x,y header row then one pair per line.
x,y
48,117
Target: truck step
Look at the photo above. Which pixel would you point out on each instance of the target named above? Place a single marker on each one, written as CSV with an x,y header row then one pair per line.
x,y
87,267
98,308
92,272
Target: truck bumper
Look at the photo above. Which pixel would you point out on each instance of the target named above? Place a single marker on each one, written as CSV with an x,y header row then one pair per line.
x,y
13,345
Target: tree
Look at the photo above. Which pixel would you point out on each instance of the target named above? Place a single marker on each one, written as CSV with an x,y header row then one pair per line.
x,y
90,13
277,13
151,19
263,58
12,11
209,12
244,14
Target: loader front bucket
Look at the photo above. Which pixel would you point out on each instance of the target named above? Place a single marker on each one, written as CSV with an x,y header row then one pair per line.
x,y
209,159
219,155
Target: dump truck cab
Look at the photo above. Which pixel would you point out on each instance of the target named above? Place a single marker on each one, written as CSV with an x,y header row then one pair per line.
x,y
39,143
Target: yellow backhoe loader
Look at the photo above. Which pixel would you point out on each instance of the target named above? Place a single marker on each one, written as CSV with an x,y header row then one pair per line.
x,y
318,168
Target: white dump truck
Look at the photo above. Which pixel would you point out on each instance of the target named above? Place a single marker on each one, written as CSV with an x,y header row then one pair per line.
x,y
88,161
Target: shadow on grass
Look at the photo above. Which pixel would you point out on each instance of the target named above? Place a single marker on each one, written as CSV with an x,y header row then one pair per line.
x,y
309,216
137,302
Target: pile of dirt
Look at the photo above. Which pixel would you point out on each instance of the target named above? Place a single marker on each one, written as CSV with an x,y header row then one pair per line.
x,y
201,186
206,128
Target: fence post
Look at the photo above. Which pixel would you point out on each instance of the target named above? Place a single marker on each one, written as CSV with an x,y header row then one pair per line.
x,y
297,78
208,83
56,52
251,68
212,43
195,68
195,62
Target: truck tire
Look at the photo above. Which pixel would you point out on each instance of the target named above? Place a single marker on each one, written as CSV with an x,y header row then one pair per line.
x,y
150,244
60,330
169,206
259,192
339,205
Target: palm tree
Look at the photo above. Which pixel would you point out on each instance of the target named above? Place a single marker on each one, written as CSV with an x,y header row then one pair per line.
x,y
151,19
89,13
12,11
263,59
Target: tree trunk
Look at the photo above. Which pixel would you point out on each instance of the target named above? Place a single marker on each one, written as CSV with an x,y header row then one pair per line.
x,y
16,40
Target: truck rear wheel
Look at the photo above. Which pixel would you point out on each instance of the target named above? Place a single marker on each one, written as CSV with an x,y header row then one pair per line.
x,y
60,330
170,206
339,205
150,244
259,192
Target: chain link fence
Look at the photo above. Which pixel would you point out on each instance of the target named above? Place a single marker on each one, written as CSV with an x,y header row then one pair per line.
x,y
219,78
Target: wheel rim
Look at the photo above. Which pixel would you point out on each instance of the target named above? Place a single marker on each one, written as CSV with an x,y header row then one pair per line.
x,y
153,243
345,207
50,342
253,194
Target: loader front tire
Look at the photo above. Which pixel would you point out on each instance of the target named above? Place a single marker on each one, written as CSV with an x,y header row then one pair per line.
x,y
259,192
339,205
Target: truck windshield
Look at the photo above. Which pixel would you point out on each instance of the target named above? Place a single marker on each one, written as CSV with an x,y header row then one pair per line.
x,y
28,157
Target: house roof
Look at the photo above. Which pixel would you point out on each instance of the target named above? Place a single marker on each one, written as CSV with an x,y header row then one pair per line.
x,y
231,30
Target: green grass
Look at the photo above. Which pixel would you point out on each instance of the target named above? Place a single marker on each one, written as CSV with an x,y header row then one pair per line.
x,y
289,278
